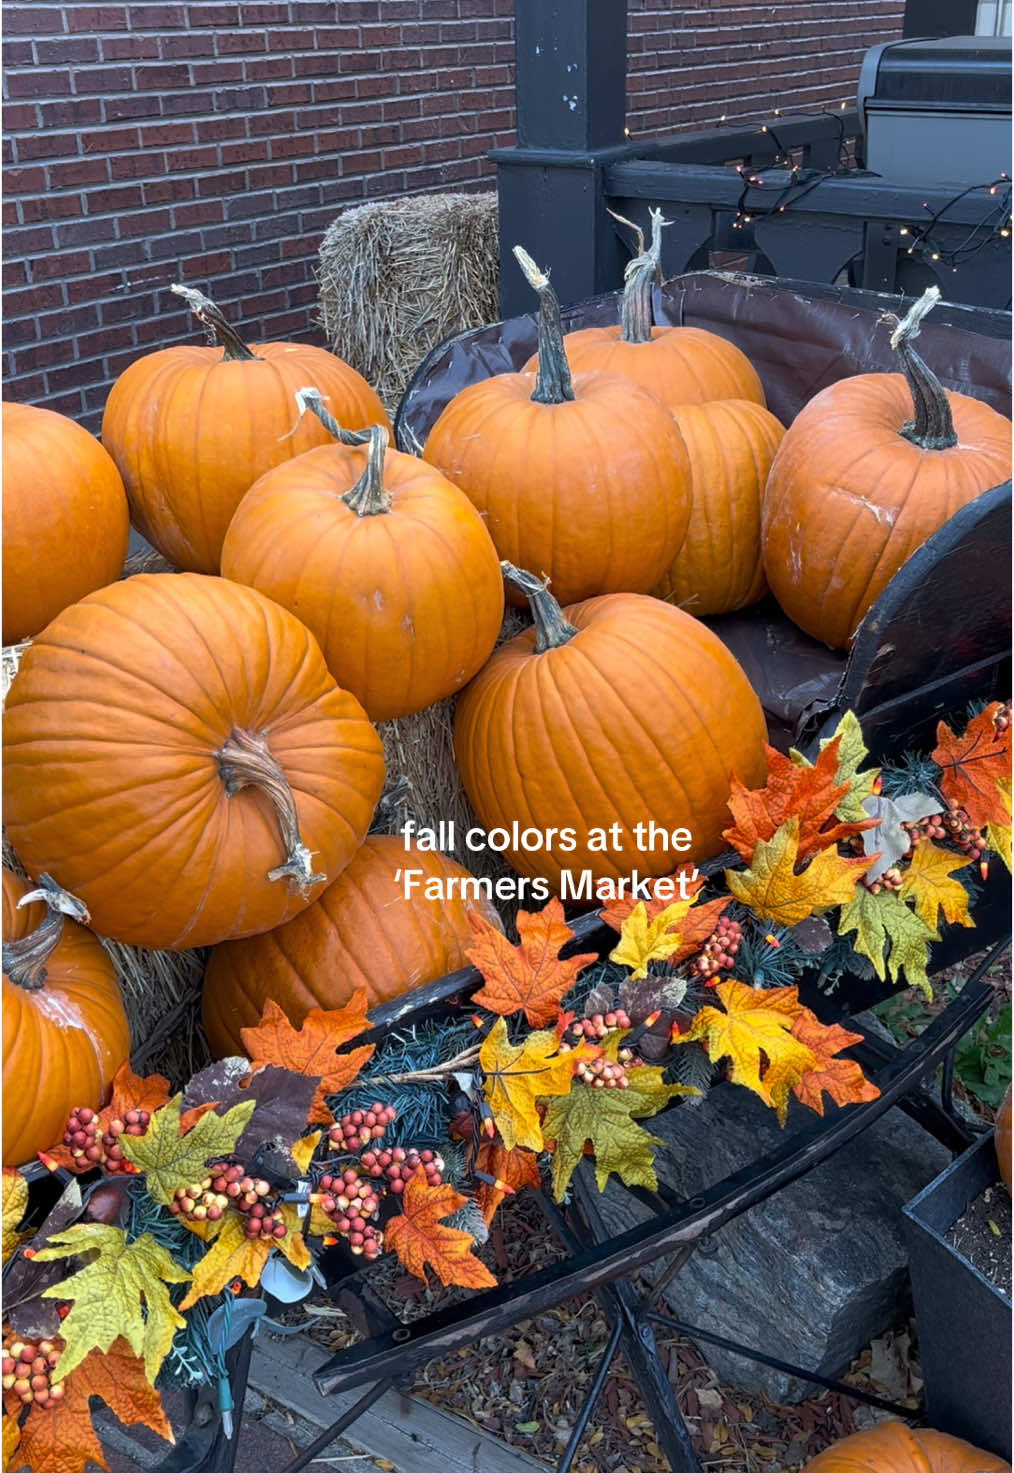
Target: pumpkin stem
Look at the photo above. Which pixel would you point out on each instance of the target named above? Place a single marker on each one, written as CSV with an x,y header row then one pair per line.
x,y
24,961
245,762
310,399
218,327
552,382
367,498
932,425
551,628
640,276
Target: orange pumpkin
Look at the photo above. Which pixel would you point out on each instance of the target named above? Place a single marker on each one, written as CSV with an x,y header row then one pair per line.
x,y
65,520
585,481
179,758
1002,1138
191,429
731,444
362,932
617,711
894,1447
860,482
65,1032
679,365
387,563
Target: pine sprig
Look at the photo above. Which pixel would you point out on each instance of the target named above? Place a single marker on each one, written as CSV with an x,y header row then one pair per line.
x,y
914,773
761,964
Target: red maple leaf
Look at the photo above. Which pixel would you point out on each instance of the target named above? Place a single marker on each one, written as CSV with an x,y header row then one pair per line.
x,y
529,977
973,764
312,1048
419,1236
809,793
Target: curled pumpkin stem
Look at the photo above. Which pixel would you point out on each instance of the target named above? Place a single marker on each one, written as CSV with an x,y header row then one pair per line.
x,y
641,275
552,382
219,328
245,762
367,498
932,424
24,961
551,628
310,400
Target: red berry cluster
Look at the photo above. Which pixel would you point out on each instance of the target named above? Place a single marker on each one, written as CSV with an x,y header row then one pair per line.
x,y
930,827
245,1193
602,1074
397,1164
82,1139
355,1131
598,1025
27,1369
134,1122
720,949
349,1199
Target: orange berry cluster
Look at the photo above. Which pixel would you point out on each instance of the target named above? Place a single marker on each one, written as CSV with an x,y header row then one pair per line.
x,y
719,951
355,1131
602,1074
28,1368
891,879
598,1025
82,1138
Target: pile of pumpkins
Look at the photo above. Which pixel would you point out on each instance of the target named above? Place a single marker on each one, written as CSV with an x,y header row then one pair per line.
x,y
191,758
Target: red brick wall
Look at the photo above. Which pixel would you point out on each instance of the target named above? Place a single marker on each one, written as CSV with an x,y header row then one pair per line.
x,y
213,143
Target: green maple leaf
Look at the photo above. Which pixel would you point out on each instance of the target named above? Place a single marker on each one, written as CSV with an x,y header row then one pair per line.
x,y
607,1119
882,920
851,751
122,1291
170,1160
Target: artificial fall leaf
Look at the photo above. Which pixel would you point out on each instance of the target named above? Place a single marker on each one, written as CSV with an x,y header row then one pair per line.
x,y
60,1438
283,1101
235,1256
312,1048
170,1160
11,1438
516,1075
108,1294
755,1021
616,912
926,884
302,1151
15,1200
999,840
888,840
607,1120
885,919
529,977
130,1091
852,751
643,941
516,1169
842,1079
974,765
772,889
418,1236
810,793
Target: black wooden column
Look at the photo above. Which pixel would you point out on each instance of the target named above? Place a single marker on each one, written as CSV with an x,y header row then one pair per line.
x,y
571,108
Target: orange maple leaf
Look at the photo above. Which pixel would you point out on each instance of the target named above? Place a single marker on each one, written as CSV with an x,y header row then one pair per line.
x,y
130,1091
973,765
809,792
530,977
419,1236
617,911
842,1079
312,1048
60,1438
516,1169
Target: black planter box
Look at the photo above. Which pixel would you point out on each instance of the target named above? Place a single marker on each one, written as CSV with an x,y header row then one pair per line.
x,y
964,1322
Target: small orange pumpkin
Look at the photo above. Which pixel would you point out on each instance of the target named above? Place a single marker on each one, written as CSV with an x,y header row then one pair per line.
x,y
1002,1138
192,428
364,931
387,563
65,520
65,1031
893,1447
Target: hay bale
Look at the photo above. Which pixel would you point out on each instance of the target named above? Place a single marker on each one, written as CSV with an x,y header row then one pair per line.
x,y
398,277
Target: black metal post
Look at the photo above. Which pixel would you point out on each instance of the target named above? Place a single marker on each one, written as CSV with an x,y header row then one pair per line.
x,y
570,85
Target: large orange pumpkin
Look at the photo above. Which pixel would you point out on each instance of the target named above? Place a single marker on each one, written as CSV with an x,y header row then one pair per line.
x,y
584,481
679,365
893,1447
179,758
65,520
362,932
731,444
860,482
387,563
1002,1139
191,429
65,1032
621,710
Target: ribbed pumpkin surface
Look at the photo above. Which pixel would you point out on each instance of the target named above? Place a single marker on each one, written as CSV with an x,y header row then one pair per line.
x,y
113,780
362,932
65,521
63,1043
641,715
893,1447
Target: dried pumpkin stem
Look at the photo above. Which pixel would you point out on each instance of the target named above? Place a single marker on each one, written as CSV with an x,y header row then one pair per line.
x,y
310,399
932,425
552,382
245,762
551,628
221,330
24,961
367,498
639,278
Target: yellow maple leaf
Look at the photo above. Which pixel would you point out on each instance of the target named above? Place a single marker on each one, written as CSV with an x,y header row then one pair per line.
x,y
851,751
235,1256
643,940
108,1294
15,1200
11,1440
755,1021
998,836
772,889
302,1151
927,885
516,1075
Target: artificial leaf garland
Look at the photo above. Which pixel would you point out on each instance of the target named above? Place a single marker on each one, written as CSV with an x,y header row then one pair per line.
x,y
775,891
750,1024
169,1159
975,764
421,1238
810,794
